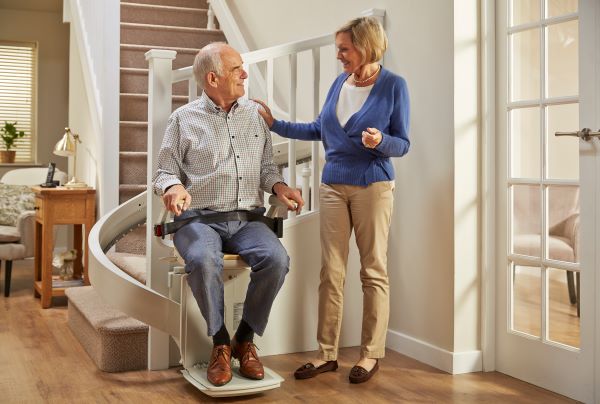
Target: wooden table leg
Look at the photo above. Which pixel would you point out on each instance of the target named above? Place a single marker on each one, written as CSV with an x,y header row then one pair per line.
x,y
77,244
47,248
87,228
37,263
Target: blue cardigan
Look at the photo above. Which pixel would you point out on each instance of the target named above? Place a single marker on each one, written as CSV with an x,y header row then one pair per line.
x,y
348,161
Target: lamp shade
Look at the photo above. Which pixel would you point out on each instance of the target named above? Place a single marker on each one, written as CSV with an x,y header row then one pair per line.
x,y
66,146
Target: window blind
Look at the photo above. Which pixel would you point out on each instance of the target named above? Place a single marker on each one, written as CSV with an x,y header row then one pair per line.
x,y
17,95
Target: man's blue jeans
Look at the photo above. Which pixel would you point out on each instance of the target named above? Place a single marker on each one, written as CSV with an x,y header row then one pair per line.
x,y
202,247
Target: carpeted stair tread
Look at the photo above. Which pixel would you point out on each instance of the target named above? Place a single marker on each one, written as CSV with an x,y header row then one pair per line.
x,y
164,15
176,3
132,264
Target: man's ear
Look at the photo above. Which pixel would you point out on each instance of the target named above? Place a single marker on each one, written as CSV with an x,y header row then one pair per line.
x,y
212,79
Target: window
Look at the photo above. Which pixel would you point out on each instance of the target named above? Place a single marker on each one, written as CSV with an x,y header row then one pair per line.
x,y
17,94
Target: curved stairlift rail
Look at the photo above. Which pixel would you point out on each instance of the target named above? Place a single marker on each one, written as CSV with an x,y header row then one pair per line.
x,y
116,287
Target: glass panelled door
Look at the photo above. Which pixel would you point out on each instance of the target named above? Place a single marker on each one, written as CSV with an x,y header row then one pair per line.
x,y
541,322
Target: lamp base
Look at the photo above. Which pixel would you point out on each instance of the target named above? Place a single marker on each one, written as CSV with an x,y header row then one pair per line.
x,y
74,183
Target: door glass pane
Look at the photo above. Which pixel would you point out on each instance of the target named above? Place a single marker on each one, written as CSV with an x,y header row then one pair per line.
x,y
525,143
527,299
525,65
563,151
563,223
562,53
563,319
554,8
524,11
526,220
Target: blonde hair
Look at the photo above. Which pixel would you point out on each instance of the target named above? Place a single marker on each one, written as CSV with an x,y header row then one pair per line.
x,y
368,37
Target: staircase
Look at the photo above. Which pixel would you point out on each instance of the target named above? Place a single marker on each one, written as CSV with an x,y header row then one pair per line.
x,y
178,25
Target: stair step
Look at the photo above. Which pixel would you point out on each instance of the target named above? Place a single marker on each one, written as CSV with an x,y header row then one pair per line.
x,y
128,191
164,15
133,55
133,242
135,80
114,341
175,3
132,167
163,35
133,136
134,107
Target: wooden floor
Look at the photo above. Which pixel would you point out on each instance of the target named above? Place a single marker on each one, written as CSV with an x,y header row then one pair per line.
x,y
41,361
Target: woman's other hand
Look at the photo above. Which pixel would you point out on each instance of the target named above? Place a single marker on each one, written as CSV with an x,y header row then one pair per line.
x,y
265,112
371,138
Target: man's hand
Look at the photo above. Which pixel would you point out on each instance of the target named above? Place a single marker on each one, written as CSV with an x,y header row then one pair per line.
x,y
265,112
177,199
371,138
289,196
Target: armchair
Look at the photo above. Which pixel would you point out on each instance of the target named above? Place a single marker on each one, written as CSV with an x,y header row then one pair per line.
x,y
563,228
17,239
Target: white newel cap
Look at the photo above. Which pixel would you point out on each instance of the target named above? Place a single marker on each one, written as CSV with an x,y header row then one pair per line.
x,y
160,54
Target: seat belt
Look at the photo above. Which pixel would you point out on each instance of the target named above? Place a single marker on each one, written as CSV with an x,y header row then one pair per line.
x,y
275,224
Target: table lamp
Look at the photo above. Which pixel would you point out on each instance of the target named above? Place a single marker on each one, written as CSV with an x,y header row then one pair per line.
x,y
67,146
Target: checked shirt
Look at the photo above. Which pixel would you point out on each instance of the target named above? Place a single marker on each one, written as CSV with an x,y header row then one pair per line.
x,y
224,160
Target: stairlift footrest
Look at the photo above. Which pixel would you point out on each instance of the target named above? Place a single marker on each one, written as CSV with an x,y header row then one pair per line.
x,y
238,386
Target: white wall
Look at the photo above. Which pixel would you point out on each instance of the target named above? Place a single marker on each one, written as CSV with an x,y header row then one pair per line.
x,y
45,28
433,294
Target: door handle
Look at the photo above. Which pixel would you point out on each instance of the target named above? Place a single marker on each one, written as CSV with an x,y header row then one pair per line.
x,y
585,134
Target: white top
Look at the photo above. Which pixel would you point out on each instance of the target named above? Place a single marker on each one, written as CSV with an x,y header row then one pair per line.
x,y
351,101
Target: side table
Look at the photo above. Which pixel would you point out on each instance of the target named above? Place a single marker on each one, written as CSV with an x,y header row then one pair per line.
x,y
55,206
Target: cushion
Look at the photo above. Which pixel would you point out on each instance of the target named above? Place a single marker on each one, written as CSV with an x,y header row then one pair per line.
x,y
9,234
14,199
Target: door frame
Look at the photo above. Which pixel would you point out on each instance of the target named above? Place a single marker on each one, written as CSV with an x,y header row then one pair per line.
x,y
488,185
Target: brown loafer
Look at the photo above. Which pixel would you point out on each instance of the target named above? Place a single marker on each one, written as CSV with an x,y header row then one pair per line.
x,y
309,370
358,374
250,365
219,367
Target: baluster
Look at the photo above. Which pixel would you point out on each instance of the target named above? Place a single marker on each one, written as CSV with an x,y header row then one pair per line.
x,y
210,23
270,79
316,180
192,90
292,142
305,173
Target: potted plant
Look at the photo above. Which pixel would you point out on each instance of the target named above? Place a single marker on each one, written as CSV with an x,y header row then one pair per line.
x,y
9,135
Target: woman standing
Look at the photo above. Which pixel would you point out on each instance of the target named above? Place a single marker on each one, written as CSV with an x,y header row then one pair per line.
x,y
363,123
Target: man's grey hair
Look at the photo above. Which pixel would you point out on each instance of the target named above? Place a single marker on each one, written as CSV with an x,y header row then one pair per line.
x,y
208,60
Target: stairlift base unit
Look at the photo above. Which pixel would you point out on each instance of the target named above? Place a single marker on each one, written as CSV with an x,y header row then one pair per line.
x,y
238,386
196,345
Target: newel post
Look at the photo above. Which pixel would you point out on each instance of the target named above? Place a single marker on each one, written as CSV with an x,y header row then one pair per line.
x,y
160,63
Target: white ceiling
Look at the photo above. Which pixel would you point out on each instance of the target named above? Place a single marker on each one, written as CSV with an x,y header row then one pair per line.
x,y
33,5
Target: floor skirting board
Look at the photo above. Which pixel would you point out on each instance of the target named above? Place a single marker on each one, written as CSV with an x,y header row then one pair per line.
x,y
451,362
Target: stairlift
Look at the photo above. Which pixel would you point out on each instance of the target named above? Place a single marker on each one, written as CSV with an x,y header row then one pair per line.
x,y
176,314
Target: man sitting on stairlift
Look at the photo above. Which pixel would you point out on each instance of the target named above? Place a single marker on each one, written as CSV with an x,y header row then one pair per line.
x,y
217,156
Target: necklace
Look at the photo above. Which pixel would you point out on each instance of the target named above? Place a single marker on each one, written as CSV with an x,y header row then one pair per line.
x,y
367,79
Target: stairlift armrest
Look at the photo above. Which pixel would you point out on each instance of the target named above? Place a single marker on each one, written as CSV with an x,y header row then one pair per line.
x,y
277,208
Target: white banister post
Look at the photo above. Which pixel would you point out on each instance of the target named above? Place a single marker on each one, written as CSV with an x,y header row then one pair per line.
x,y
210,23
292,142
192,89
305,173
160,64
316,179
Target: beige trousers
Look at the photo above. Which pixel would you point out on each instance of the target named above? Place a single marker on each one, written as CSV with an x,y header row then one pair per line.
x,y
367,210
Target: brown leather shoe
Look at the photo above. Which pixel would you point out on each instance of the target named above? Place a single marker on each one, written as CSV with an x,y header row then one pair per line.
x,y
309,370
219,367
358,374
250,365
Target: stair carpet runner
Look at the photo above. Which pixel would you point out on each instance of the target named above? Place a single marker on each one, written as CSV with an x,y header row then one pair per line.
x,y
114,341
